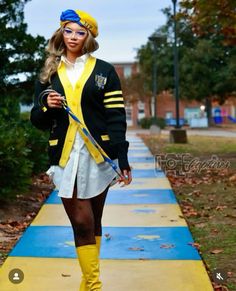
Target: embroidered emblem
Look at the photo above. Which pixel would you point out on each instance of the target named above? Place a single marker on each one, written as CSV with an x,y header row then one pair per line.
x,y
100,81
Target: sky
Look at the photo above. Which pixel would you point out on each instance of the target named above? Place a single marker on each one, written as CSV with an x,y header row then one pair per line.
x,y
124,25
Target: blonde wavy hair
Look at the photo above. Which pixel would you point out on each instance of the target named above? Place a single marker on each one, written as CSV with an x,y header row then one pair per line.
x,y
56,48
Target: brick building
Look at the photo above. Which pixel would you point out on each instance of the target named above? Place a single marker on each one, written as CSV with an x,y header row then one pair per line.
x,y
189,110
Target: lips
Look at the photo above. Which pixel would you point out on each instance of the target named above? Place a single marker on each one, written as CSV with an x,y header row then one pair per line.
x,y
72,44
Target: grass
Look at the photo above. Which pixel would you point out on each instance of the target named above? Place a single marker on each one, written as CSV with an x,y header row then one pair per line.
x,y
197,145
207,200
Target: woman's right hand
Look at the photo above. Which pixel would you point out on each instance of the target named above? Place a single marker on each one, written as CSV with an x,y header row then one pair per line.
x,y
54,100
126,177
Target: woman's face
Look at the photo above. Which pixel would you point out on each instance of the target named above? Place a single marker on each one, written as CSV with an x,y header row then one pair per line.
x,y
74,37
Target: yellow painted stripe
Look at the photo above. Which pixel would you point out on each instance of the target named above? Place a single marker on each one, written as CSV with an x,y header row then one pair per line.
x,y
113,93
51,214
115,106
113,99
64,274
161,215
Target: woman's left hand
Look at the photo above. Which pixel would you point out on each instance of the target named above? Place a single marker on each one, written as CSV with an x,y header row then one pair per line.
x,y
126,179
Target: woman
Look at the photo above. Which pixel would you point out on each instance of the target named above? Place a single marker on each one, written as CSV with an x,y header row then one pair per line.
x,y
92,91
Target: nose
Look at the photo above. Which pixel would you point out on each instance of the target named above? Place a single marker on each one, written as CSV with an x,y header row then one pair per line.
x,y
73,35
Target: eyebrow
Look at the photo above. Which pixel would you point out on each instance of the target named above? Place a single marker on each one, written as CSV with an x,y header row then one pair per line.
x,y
80,29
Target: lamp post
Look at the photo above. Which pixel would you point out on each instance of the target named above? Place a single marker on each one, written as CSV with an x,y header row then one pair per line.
x,y
176,68
177,135
154,40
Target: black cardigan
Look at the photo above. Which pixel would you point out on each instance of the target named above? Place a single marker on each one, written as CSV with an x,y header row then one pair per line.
x,y
102,108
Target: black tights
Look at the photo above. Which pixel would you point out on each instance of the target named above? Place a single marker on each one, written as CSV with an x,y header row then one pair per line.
x,y
85,216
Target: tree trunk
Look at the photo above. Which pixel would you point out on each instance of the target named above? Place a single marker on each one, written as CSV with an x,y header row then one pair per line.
x,y
209,111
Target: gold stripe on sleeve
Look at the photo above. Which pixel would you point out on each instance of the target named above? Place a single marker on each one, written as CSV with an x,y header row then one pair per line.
x,y
115,106
113,93
113,99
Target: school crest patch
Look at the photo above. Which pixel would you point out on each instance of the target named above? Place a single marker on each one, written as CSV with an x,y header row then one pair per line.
x,y
100,81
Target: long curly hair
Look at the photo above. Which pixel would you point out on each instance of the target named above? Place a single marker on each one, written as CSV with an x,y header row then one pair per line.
x,y
56,48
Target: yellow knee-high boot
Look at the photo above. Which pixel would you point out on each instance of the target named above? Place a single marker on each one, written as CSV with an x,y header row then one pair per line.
x,y
89,263
83,286
98,243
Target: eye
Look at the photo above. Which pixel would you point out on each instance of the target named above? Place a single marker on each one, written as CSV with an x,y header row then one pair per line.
x,y
81,33
67,31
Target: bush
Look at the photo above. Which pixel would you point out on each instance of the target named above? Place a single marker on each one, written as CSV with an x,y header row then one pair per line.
x,y
36,143
146,122
15,167
23,152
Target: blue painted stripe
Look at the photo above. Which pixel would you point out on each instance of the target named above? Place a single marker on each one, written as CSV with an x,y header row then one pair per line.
x,y
149,173
140,146
146,196
154,243
53,198
135,140
141,159
123,196
139,152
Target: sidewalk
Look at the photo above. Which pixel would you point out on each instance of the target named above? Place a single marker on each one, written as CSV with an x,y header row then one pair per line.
x,y
220,132
146,243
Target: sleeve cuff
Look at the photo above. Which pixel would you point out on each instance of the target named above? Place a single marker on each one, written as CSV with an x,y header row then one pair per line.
x,y
122,153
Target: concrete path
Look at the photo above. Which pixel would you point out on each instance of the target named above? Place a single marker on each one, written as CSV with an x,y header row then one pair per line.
x,y
202,132
146,243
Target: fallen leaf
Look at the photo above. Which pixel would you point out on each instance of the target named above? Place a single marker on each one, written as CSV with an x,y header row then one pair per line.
x,y
232,178
215,231
195,245
65,275
167,246
143,259
216,251
231,215
107,236
220,207
136,249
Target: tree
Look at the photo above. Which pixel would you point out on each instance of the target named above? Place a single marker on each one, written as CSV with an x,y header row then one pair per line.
x,y
211,18
134,88
21,56
206,64
209,67
208,70
164,52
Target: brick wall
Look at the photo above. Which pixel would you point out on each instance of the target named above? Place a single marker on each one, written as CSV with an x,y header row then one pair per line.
x,y
166,103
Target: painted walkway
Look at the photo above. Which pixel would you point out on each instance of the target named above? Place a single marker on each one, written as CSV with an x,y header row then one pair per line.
x,y
146,243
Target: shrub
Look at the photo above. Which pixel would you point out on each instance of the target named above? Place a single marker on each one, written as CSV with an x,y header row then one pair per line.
x,y
15,167
36,143
23,152
146,122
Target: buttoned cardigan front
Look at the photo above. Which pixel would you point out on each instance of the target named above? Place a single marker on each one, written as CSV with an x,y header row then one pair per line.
x,y
98,102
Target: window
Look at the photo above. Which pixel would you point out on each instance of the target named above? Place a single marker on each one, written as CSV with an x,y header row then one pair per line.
x,y
127,71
